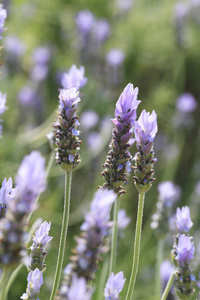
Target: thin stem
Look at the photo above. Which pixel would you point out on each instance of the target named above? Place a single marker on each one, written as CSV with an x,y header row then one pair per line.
x,y
63,237
168,286
160,247
136,252
114,238
12,278
3,283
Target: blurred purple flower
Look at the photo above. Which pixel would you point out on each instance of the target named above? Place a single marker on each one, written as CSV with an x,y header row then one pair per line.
x,y
89,119
39,72
78,290
85,21
114,286
145,130
3,107
35,281
74,78
41,55
183,220
14,46
123,220
181,10
169,193
115,57
27,95
185,250
3,16
6,194
186,103
101,31
30,181
166,269
125,5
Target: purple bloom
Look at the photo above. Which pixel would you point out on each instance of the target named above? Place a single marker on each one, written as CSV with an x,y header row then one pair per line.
x,y
41,237
6,195
27,95
41,55
68,100
101,31
115,57
3,107
89,119
146,129
3,16
185,250
166,269
169,193
123,220
74,78
126,107
186,103
39,72
30,181
125,5
114,286
14,46
35,281
78,290
85,21
183,221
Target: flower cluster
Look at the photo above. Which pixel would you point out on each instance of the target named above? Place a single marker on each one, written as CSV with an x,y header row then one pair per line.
x,y
31,181
66,134
74,78
183,253
35,281
114,286
118,156
3,16
90,245
145,132
6,193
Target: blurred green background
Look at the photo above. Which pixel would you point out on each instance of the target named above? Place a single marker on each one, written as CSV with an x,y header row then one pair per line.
x,y
161,46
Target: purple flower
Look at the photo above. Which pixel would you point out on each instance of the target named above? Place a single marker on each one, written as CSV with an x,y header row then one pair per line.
x,y
169,193
186,103
125,5
101,31
6,195
30,181
99,213
183,221
145,130
85,21
41,237
27,95
35,281
123,220
41,55
166,269
3,107
39,72
3,16
74,78
68,100
115,57
126,107
185,250
14,46
89,119
78,290
114,286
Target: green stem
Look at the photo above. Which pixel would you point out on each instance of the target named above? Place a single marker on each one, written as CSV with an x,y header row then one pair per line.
x,y
3,283
114,238
63,237
168,286
136,253
12,278
160,247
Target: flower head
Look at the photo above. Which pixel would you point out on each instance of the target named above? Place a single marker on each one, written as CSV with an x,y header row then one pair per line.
x,y
6,194
74,78
85,21
146,129
78,290
169,193
123,220
35,281
186,103
126,106
68,101
115,57
185,250
101,31
3,16
183,221
114,286
41,237
3,107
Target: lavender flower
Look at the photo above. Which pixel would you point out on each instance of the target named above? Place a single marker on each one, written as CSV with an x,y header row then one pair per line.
x,y
114,286
74,78
101,31
14,46
186,103
35,281
89,119
122,220
67,140
145,132
3,107
41,55
79,290
6,194
115,57
85,21
183,221
40,240
90,245
166,269
27,95
118,156
185,250
169,193
3,16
